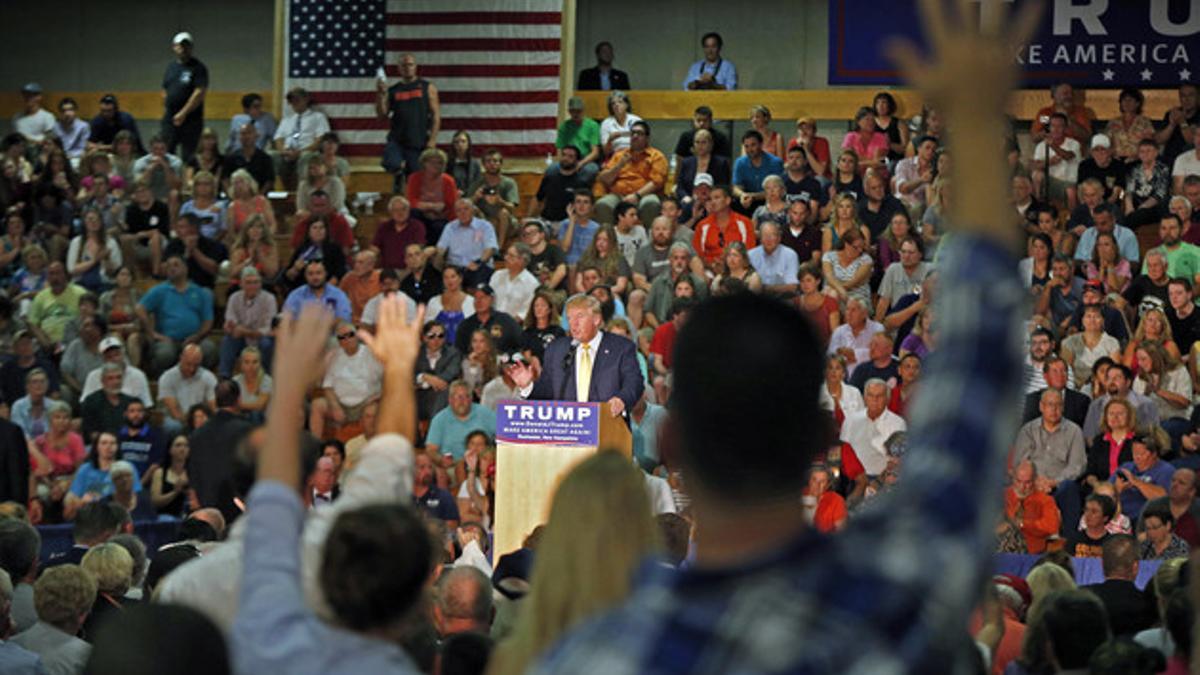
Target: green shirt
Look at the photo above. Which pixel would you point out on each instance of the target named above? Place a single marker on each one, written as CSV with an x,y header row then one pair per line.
x,y
52,312
584,136
1183,262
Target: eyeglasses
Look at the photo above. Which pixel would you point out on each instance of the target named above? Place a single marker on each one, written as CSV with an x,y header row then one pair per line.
x,y
435,336
345,336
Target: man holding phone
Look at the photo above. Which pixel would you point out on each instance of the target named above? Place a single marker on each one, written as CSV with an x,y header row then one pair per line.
x,y
414,110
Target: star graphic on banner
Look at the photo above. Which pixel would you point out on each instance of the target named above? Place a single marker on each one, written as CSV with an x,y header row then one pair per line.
x,y
1146,74
1108,74
1185,74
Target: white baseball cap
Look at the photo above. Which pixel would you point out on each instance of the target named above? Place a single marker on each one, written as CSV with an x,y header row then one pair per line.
x,y
110,342
182,36
703,179
1101,141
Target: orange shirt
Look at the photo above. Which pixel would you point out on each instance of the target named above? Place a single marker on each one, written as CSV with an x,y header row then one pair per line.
x,y
831,512
360,290
1081,115
649,167
1040,520
709,240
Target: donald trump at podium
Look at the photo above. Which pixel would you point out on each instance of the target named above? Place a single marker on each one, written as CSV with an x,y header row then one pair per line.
x,y
590,365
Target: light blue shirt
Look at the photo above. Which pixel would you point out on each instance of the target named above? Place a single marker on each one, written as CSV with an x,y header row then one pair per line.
x,y
1127,243
90,479
465,245
580,240
22,416
725,75
275,631
16,660
652,419
449,433
749,177
778,268
332,297
266,130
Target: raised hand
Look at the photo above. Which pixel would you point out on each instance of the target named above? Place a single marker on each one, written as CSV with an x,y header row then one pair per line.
x,y
300,348
396,341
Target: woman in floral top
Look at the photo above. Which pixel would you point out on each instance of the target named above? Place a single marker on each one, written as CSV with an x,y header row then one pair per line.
x,y
1130,127
1147,187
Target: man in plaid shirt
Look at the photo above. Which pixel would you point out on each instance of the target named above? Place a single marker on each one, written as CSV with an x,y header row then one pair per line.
x,y
891,593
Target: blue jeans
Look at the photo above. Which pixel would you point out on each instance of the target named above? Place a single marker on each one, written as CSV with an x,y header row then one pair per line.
x,y
231,349
400,160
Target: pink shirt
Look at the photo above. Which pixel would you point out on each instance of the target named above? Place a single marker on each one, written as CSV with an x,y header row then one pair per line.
x,y
872,148
64,460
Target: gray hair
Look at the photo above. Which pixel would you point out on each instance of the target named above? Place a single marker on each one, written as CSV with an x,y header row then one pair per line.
x,y
1156,253
112,368
249,272
524,251
772,179
679,246
876,382
121,466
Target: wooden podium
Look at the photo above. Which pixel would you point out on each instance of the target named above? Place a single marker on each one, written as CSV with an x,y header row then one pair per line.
x,y
537,443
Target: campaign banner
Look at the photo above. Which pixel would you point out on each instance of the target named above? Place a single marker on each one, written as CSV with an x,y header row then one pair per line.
x,y
548,422
1093,43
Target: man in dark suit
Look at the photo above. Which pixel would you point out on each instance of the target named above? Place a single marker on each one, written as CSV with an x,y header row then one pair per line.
x,y
14,464
1129,610
603,76
1075,404
95,523
590,365
210,466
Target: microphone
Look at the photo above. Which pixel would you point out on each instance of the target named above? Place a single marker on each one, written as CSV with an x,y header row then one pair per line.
x,y
568,365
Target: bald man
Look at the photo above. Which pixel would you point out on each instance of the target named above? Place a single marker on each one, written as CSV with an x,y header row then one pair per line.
x,y
183,386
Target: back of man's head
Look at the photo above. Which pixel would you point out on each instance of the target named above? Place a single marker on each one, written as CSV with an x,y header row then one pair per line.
x,y
464,598
1076,623
227,394
466,654
676,533
20,545
150,635
1119,557
95,522
377,559
747,373
165,561
63,595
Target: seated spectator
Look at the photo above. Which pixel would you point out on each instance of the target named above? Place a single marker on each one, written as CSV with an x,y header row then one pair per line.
x,y
514,285
201,255
124,481
574,234
93,256
104,410
711,72
864,434
321,207
583,134
93,480
547,262
564,553
702,119
31,412
701,158
432,501
604,256
318,178
1152,283
750,170
1056,375
542,324
1101,175
636,174
1055,163
463,602
33,122
1052,443
206,206
317,289
432,193
245,203
254,247
112,567
316,247
662,293
847,270
1088,541
1030,515
480,360
438,364
1130,127
560,183
449,428
326,153
452,304
1161,542
1129,610
64,597
662,345
184,385
651,259
298,133
252,113
395,235
1107,258
352,382
176,313
775,207
870,146
901,277
828,509
1187,164
254,384
1147,187
361,283
126,150
389,285
852,339
108,123
133,380
721,227
162,170
60,444
1181,502
501,327
875,206
139,443
206,159
54,307
1061,295
20,549
30,278
1162,378
97,193
616,129
146,229
250,156
169,487
736,268
880,363
468,243
1146,477
495,195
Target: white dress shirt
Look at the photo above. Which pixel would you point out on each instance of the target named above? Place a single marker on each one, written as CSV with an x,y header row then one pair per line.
x,y
867,437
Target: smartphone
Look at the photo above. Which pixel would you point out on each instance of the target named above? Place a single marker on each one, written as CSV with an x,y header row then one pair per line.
x,y
381,74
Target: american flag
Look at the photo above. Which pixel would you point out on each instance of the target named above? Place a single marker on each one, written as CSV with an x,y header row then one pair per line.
x,y
496,66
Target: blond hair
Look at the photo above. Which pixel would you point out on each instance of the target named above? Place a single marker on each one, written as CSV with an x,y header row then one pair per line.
x,y
112,566
580,572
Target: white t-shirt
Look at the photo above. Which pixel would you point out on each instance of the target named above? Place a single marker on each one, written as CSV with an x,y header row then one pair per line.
x,y
609,126
1068,169
867,437
1186,165
370,315
354,378
35,126
630,242
187,391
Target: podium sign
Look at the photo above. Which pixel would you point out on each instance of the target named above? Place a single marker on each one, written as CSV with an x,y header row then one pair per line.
x,y
537,443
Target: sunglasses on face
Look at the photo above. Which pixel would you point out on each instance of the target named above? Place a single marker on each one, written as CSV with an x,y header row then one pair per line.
x,y
345,336
435,336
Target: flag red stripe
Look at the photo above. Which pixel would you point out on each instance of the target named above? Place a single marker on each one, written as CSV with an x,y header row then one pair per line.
x,y
473,45
368,97
475,123
453,18
432,71
508,149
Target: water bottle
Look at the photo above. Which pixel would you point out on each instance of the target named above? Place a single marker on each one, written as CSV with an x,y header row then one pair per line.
x,y
549,159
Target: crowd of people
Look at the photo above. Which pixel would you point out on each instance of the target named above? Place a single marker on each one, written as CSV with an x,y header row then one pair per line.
x,y
322,420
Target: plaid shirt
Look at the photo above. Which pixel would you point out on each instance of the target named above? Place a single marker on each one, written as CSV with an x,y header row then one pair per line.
x,y
892,592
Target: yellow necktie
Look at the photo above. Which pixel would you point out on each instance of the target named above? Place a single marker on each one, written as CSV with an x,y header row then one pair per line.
x,y
584,377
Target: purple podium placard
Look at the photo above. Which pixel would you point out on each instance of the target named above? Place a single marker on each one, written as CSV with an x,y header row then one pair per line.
x,y
548,422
